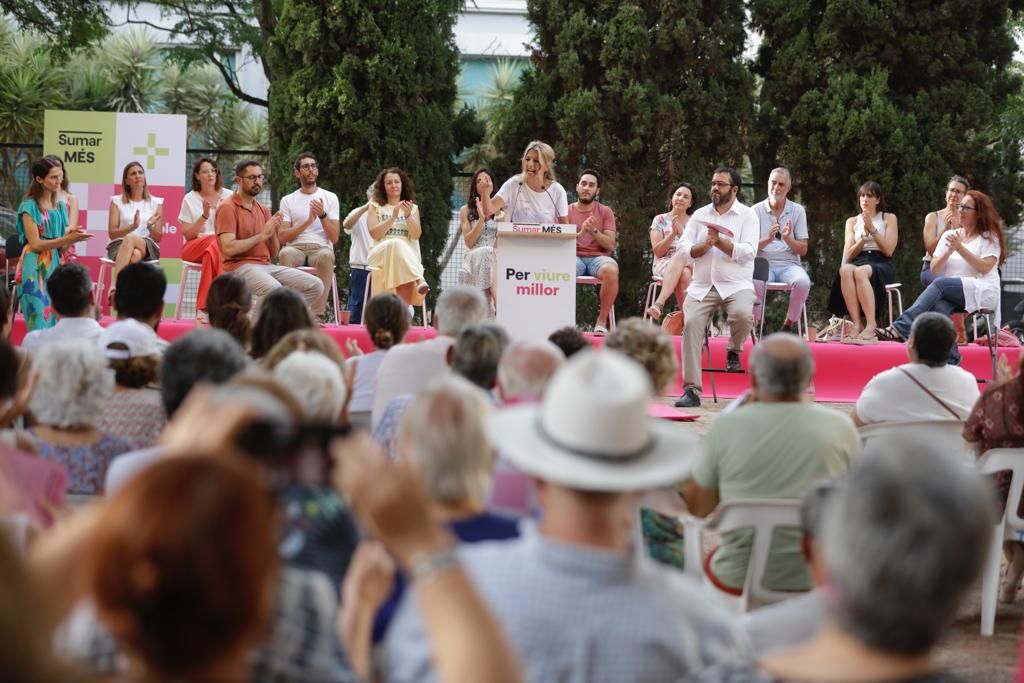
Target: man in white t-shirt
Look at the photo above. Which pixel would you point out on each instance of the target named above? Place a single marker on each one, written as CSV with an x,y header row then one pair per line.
x,y
926,388
310,227
358,254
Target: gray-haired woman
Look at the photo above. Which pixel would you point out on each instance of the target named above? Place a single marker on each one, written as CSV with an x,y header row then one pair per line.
x,y
74,386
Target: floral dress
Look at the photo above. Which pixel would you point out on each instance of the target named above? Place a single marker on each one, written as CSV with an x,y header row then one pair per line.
x,y
34,269
477,266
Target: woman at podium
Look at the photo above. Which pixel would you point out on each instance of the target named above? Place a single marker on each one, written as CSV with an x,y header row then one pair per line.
x,y
532,196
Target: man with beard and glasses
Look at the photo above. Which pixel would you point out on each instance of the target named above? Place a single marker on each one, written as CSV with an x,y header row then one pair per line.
x,y
595,241
722,238
248,237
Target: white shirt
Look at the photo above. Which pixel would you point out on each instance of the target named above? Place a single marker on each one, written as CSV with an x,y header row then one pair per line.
x,y
525,205
66,328
407,368
727,274
359,251
296,210
192,210
365,380
891,396
980,291
145,207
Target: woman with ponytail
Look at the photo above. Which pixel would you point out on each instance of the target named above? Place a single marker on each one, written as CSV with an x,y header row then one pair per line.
x,y
387,321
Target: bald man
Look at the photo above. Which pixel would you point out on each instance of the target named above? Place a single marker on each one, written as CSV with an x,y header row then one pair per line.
x,y
776,446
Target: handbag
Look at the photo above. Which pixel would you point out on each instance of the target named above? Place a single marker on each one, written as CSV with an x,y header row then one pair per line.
x,y
673,323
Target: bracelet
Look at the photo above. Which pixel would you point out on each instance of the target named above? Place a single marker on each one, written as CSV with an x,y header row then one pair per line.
x,y
429,565
322,216
206,217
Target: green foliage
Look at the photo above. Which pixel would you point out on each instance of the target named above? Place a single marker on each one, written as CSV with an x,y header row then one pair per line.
x,y
904,93
66,24
647,92
368,84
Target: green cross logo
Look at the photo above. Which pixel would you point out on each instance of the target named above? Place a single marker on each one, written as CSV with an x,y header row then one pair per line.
x,y
151,151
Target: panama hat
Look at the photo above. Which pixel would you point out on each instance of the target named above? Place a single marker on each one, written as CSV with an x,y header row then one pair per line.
x,y
592,431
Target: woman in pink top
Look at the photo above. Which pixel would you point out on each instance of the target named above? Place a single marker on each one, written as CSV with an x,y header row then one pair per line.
x,y
673,266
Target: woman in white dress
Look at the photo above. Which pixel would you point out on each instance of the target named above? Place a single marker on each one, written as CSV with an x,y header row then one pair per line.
x,y
532,196
480,232
135,223
965,265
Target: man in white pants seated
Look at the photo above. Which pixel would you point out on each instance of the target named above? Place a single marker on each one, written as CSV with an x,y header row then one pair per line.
x,y
248,237
783,241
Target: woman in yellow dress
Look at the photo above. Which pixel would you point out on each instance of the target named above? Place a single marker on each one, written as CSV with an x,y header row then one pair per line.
x,y
394,223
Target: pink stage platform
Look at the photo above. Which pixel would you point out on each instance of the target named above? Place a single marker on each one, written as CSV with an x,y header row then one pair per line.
x,y
841,370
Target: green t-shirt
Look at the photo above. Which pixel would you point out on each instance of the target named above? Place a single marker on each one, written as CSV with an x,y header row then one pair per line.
x,y
772,450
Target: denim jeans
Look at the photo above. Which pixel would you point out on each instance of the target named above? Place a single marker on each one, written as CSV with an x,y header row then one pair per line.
x,y
944,295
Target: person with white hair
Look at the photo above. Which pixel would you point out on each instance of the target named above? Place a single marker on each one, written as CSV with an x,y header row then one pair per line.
x,y
888,605
776,446
571,594
525,369
316,383
407,368
74,385
442,436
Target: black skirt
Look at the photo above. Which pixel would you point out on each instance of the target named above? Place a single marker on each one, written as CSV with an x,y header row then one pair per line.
x,y
882,273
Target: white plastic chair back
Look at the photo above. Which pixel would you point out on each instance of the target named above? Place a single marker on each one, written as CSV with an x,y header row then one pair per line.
x,y
1010,527
948,432
762,516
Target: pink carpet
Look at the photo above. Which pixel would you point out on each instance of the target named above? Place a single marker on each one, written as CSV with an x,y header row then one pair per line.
x,y
841,370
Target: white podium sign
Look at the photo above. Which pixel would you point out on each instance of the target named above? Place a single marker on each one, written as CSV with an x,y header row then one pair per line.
x,y
536,278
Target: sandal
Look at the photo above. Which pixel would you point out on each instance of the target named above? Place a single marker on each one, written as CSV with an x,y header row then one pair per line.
x,y
888,334
655,310
600,331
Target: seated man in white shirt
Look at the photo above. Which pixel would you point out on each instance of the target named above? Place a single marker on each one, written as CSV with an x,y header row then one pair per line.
x,y
70,289
723,277
783,241
310,227
926,388
358,254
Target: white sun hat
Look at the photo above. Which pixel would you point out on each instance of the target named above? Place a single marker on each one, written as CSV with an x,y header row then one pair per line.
x,y
592,431
138,338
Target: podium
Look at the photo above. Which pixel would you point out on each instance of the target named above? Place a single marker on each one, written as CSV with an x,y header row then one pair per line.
x,y
536,278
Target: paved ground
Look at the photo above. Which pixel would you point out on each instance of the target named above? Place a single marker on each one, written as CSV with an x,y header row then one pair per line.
x,y
965,651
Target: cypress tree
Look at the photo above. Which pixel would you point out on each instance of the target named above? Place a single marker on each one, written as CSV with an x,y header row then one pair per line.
x,y
368,84
647,92
904,93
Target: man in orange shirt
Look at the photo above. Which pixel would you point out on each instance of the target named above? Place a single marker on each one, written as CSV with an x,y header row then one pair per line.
x,y
247,234
595,241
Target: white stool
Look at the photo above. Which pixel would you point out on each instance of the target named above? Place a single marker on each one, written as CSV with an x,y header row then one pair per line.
x,y
366,299
334,290
186,268
99,291
653,290
587,280
801,323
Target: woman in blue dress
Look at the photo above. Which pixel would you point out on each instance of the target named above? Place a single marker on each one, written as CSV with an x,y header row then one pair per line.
x,y
42,229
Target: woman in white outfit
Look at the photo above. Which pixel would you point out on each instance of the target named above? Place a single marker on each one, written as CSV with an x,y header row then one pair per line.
x,y
965,268
533,196
135,223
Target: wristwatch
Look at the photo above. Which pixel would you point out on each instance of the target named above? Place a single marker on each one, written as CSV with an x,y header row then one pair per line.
x,y
322,216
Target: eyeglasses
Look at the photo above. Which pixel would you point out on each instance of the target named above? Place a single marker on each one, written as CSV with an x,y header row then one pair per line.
x,y
965,207
720,184
308,167
955,191
254,178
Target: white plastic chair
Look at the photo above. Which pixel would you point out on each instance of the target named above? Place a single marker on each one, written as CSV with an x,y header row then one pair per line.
x,y
948,432
1010,527
762,516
